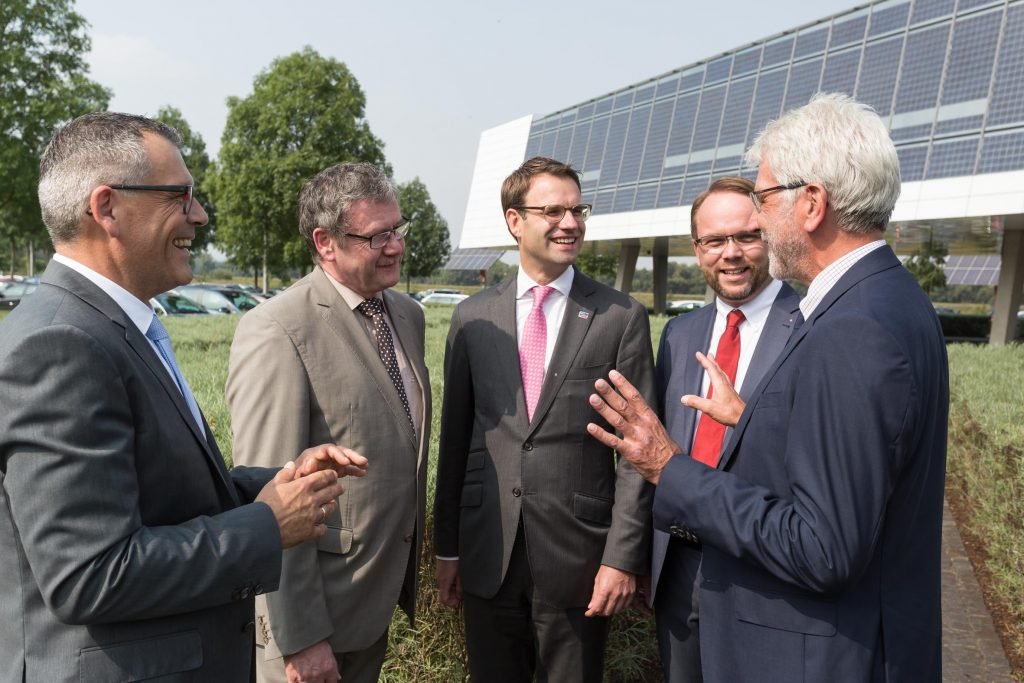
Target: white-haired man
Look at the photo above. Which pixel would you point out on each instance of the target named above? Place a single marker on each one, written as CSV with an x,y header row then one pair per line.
x,y
821,526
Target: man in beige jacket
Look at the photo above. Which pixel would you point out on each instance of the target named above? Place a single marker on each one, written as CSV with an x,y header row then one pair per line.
x,y
337,358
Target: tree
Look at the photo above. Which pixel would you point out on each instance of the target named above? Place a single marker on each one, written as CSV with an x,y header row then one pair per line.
x,y
601,267
43,84
193,151
305,113
927,265
426,245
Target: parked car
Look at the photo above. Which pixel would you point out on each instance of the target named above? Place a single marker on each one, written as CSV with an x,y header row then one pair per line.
x,y
220,299
684,306
419,296
443,298
14,292
172,303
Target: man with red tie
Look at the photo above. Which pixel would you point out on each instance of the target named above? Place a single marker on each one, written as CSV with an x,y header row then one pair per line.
x,y
539,530
745,329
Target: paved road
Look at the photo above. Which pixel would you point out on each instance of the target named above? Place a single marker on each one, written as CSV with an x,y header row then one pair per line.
x,y
971,650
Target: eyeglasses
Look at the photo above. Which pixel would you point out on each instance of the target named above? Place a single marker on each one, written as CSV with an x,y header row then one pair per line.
x,y
378,240
715,244
757,196
554,212
187,191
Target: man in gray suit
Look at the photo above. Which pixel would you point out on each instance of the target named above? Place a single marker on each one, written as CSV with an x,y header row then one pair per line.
x,y
129,551
538,528
734,261
308,366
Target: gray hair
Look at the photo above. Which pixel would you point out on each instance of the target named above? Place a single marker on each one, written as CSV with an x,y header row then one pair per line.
x,y
102,148
842,144
326,198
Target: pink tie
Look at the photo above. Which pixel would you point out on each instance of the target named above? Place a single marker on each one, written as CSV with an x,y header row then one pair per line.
x,y
532,349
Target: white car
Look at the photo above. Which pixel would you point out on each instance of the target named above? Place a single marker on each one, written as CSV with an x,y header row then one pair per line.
x,y
443,298
684,306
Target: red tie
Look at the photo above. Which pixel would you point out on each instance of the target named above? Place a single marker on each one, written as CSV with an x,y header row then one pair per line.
x,y
707,446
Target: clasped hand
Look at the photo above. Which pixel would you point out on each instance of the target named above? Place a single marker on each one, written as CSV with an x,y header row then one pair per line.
x,y
303,493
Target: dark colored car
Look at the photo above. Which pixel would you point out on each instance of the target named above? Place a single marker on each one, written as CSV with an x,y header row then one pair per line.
x,y
220,299
14,292
174,304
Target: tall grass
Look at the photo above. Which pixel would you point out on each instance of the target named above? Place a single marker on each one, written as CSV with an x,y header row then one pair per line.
x,y
985,471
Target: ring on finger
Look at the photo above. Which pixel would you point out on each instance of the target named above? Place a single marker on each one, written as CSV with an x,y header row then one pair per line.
x,y
323,515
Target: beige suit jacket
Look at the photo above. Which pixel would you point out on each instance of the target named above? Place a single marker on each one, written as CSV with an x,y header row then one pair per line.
x,y
302,372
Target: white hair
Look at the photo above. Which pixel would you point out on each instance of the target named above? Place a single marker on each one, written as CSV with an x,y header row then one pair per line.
x,y
842,144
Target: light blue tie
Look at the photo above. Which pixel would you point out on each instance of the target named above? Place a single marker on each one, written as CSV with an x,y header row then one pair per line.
x,y
158,334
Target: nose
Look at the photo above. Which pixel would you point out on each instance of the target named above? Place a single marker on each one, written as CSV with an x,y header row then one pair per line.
x,y
732,249
197,214
395,244
570,222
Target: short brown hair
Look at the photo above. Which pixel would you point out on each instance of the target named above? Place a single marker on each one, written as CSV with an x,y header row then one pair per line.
x,y
727,183
515,187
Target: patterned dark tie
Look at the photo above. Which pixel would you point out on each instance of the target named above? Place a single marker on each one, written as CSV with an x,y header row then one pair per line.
x,y
374,310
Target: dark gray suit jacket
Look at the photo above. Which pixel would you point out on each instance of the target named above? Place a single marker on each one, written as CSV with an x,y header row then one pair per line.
x,y
579,508
822,526
677,373
127,554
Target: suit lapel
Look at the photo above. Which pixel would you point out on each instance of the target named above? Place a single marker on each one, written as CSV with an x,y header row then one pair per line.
x,y
81,287
506,350
342,321
881,259
693,373
575,324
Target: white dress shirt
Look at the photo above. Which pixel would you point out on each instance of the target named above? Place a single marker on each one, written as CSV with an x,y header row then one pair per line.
x,y
554,307
826,279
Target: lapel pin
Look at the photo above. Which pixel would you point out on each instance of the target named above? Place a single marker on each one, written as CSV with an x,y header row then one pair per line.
x,y
584,315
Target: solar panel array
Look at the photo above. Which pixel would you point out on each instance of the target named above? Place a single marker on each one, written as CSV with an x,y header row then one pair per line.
x,y
472,259
972,270
947,76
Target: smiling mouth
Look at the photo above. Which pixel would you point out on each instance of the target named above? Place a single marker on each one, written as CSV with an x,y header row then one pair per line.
x,y
734,271
564,240
182,243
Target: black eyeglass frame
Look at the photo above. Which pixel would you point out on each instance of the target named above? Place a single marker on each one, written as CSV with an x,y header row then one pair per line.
x,y
757,235
757,196
584,211
187,190
399,231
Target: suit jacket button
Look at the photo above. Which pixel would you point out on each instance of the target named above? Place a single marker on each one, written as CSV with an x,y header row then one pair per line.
x,y
257,589
408,539
244,593
528,446
249,627
517,492
676,531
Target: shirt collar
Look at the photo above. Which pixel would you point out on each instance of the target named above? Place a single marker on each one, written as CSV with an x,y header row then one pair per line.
x,y
562,283
351,298
827,278
137,311
756,310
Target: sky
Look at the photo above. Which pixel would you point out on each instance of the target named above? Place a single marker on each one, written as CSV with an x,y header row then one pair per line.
x,y
435,74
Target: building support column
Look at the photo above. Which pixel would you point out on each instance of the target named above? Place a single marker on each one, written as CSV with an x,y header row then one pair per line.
x,y
628,253
1011,282
660,255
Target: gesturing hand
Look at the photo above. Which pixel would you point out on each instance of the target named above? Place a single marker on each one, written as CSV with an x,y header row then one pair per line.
x,y
644,441
725,406
344,461
301,504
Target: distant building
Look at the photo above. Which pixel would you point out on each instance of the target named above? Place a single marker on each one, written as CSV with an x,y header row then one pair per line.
x,y
947,76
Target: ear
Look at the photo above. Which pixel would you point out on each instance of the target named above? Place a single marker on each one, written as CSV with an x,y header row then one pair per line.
x,y
104,210
514,221
811,206
324,243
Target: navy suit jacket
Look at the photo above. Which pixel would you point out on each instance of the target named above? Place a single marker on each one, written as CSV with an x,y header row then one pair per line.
x,y
678,373
822,525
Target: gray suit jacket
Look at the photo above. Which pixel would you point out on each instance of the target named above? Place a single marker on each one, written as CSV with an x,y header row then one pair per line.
x,y
678,373
127,554
302,372
579,508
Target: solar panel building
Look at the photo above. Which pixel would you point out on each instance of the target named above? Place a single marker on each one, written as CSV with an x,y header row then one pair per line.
x,y
946,75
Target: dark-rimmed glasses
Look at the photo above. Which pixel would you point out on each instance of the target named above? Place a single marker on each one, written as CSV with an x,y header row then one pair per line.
x,y
379,239
757,196
715,244
187,191
554,212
